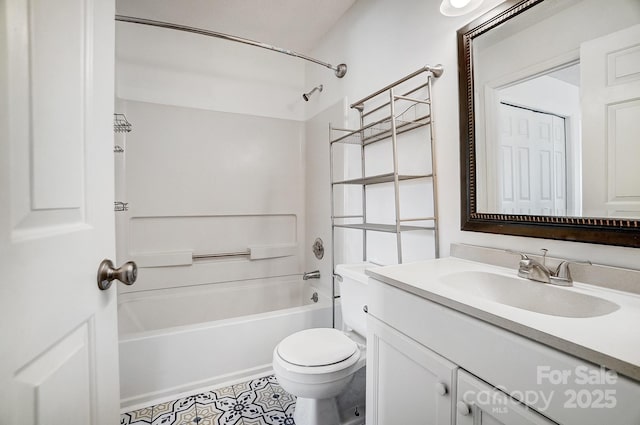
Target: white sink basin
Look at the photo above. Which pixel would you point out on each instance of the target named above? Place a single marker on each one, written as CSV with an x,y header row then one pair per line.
x,y
527,295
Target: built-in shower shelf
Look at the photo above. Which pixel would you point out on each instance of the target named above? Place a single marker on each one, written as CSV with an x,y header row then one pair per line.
x,y
388,228
119,206
121,124
382,178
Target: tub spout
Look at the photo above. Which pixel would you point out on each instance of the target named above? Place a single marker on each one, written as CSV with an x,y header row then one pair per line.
x,y
311,275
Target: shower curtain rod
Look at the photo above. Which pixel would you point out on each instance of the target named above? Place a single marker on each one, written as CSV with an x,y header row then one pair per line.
x,y
340,70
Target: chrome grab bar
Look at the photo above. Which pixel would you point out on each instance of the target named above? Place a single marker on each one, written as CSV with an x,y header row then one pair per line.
x,y
221,254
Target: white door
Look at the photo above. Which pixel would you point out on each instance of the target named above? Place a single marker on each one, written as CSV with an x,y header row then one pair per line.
x,y
480,404
58,331
531,163
406,382
610,81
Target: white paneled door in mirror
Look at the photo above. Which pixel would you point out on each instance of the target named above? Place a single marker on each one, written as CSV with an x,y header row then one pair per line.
x,y
611,124
58,356
531,167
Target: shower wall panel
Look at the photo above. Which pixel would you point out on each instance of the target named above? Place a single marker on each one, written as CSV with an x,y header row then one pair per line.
x,y
204,182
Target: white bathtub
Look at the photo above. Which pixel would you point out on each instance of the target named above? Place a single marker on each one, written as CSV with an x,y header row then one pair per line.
x,y
179,340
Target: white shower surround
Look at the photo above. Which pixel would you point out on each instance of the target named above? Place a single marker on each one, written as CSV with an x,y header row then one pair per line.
x,y
185,339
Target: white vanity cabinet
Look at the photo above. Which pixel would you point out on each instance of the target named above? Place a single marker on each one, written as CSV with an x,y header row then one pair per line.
x,y
410,384
422,357
478,403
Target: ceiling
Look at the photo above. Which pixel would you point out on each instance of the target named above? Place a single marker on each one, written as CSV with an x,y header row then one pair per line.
x,y
290,24
570,74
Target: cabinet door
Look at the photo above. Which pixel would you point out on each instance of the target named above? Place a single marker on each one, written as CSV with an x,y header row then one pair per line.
x,y
406,382
481,404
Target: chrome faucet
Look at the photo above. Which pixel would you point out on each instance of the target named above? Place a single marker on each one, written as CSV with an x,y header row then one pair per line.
x,y
311,275
531,269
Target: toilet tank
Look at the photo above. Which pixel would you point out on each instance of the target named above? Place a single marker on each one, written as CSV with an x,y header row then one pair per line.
x,y
353,295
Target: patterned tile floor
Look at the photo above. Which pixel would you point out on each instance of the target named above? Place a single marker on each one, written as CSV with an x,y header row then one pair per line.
x,y
258,402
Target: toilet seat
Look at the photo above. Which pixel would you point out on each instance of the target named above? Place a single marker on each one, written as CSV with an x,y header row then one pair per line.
x,y
318,374
316,348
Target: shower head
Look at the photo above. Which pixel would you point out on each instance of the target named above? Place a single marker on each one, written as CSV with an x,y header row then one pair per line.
x,y
307,95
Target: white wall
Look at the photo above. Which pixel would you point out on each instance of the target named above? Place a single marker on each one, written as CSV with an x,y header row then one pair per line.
x,y
382,41
206,182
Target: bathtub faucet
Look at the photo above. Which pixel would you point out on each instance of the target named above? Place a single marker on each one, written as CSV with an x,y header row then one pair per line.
x,y
311,275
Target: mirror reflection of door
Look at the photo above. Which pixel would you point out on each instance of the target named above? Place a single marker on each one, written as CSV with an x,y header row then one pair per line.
x,y
611,127
536,145
532,162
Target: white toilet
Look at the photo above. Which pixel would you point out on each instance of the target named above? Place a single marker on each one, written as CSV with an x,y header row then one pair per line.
x,y
316,365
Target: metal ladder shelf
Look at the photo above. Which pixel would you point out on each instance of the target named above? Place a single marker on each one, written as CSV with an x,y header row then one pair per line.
x,y
373,129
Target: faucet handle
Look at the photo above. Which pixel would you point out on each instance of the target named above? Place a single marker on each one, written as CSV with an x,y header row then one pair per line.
x,y
562,271
522,255
524,266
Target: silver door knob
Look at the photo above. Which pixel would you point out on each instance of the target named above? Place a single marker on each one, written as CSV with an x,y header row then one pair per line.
x,y
127,274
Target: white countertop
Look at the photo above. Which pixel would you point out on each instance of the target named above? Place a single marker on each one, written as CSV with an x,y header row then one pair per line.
x,y
611,340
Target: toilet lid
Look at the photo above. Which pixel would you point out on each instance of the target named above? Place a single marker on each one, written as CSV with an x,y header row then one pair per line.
x,y
316,347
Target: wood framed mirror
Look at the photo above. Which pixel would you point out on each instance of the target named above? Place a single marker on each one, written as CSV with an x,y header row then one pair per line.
x,y
550,120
